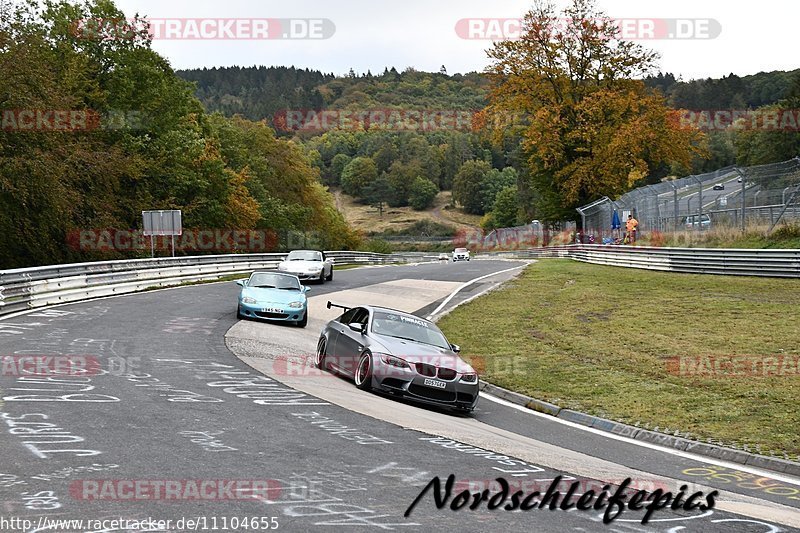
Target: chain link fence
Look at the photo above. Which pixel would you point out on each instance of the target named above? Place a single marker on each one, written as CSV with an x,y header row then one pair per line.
x,y
732,197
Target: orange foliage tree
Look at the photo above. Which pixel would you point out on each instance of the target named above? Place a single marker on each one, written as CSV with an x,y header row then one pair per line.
x,y
587,123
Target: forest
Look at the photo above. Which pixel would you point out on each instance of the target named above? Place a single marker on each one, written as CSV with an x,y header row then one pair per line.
x,y
401,166
96,130
143,141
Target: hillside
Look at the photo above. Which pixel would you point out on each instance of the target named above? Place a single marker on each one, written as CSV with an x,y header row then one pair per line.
x,y
392,162
729,92
260,92
368,219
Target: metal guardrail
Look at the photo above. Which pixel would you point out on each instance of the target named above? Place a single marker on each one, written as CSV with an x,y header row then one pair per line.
x,y
30,288
779,263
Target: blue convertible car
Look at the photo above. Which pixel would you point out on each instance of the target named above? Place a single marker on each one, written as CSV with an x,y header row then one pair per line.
x,y
273,296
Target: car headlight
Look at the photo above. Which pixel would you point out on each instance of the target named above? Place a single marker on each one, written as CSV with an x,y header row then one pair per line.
x,y
296,305
315,268
248,300
469,378
281,267
394,361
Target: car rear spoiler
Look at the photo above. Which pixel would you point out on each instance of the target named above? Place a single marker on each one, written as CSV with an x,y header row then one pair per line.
x,y
331,304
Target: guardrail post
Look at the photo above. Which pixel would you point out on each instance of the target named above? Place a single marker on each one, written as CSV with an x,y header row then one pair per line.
x,y
700,204
675,208
583,220
785,208
742,175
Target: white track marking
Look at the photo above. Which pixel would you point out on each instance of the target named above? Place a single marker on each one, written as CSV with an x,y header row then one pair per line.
x,y
467,284
679,453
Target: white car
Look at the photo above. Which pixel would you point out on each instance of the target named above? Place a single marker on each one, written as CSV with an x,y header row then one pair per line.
x,y
691,222
308,265
460,254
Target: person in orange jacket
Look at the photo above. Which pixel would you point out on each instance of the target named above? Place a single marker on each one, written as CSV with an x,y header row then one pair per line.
x,y
631,226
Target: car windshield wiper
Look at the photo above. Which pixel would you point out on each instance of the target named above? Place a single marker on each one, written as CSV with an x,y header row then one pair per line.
x,y
410,339
263,286
289,288
399,337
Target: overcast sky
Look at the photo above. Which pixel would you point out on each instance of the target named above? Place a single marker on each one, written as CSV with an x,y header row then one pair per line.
x,y
372,34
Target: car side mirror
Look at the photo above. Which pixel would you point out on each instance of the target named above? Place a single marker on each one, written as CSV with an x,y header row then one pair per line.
x,y
357,326
306,288
242,282
455,347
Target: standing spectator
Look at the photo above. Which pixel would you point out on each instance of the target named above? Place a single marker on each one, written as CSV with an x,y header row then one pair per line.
x,y
631,226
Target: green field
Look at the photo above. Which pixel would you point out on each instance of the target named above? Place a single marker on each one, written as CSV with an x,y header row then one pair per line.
x,y
601,340
785,235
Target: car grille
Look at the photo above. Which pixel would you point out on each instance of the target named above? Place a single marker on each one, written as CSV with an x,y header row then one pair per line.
x,y
430,371
447,374
271,315
432,394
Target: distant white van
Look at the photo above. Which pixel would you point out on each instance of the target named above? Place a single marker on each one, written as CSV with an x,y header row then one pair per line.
x,y
460,254
690,222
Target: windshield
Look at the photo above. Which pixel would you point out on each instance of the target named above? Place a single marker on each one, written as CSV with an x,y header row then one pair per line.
x,y
409,328
459,250
273,281
304,255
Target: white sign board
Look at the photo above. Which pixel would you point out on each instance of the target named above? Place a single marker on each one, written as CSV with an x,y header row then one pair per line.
x,y
162,222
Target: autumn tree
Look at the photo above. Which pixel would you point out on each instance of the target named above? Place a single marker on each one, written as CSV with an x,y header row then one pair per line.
x,y
422,193
494,182
505,210
756,147
150,145
468,183
338,163
589,125
401,175
358,174
378,193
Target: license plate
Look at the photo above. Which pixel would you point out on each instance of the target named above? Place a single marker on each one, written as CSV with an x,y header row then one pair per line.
x,y
272,310
435,383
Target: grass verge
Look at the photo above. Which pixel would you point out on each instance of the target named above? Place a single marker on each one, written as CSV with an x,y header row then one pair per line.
x,y
754,236
601,339
367,219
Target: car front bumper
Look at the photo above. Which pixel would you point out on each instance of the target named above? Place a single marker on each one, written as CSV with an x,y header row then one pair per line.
x,y
304,275
272,311
455,394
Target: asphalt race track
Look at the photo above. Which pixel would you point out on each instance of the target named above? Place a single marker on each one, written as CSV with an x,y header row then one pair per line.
x,y
178,395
